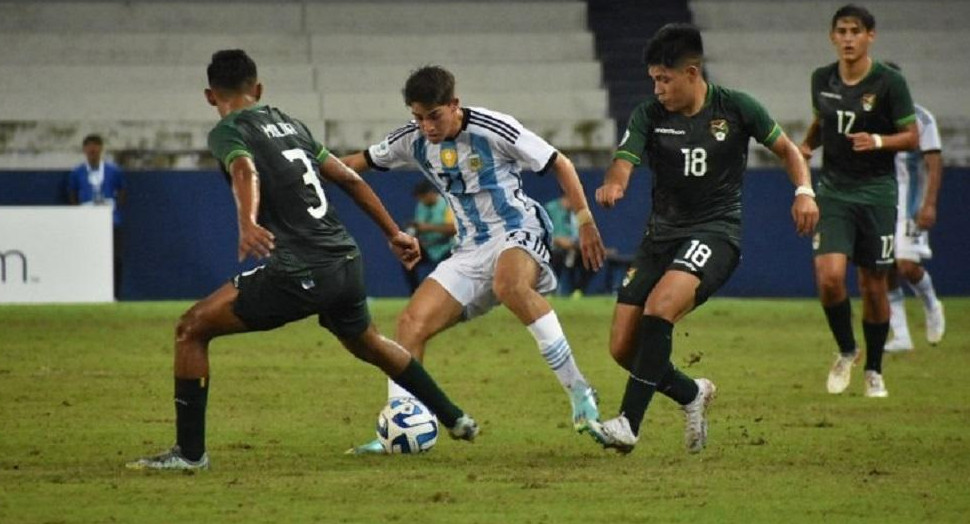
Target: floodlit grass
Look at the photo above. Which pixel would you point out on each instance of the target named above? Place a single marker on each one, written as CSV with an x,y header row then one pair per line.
x,y
85,388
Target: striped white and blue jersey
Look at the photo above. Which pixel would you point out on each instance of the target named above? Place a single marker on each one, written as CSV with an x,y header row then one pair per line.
x,y
911,171
478,172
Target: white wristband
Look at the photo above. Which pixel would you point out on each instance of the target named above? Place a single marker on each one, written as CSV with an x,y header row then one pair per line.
x,y
804,190
878,140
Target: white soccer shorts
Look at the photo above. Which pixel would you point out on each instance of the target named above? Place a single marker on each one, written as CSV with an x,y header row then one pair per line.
x,y
912,243
467,275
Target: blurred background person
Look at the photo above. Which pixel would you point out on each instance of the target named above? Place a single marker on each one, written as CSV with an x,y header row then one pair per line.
x,y
572,277
434,226
97,182
918,173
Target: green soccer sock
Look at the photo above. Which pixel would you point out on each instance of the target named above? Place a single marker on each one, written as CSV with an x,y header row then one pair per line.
x,y
840,322
415,379
191,398
649,367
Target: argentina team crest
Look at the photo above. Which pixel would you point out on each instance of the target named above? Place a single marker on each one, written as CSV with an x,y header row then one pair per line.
x,y
719,128
475,163
868,101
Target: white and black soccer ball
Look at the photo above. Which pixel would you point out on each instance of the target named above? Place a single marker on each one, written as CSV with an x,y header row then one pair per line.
x,y
405,425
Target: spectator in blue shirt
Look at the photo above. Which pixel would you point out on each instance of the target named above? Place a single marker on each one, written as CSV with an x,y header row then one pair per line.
x,y
434,227
572,276
96,182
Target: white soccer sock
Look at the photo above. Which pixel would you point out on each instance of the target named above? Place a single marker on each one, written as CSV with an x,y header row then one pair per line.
x,y
924,290
555,349
897,316
394,390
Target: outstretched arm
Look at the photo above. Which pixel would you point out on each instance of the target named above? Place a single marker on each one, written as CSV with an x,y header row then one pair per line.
x,y
404,246
254,240
590,243
356,161
804,210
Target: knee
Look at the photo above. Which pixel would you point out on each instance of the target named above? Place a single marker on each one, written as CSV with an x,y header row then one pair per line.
x,y
831,286
508,290
623,353
412,329
190,328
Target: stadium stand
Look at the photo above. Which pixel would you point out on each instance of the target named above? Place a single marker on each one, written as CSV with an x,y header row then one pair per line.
x,y
769,48
134,70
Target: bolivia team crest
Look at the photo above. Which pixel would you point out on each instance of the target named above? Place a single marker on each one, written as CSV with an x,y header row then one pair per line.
x,y
868,101
719,128
449,157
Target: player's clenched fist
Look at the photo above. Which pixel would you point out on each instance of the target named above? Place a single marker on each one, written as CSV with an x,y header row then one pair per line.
x,y
607,195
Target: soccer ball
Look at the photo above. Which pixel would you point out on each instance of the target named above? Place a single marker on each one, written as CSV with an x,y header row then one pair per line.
x,y
405,425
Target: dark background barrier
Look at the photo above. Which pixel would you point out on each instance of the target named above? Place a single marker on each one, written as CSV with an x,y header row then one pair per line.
x,y
180,232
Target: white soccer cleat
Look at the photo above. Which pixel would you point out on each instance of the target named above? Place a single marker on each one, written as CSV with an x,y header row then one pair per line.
x,y
841,373
695,415
465,428
171,459
935,323
899,345
614,433
875,386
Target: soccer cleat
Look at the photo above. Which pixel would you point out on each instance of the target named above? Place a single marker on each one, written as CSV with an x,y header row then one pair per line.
x,y
841,373
373,447
583,399
875,386
614,433
465,428
935,323
898,345
171,459
695,416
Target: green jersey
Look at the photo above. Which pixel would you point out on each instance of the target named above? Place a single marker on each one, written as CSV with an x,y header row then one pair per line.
x,y
292,202
697,161
880,104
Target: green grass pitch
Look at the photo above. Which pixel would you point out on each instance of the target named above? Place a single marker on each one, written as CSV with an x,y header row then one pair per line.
x,y
85,388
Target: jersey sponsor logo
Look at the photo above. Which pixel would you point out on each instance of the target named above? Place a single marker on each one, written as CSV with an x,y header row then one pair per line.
x,y
449,157
719,128
629,276
826,94
668,131
868,101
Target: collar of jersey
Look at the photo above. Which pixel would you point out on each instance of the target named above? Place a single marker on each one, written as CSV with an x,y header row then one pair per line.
x,y
465,115
239,111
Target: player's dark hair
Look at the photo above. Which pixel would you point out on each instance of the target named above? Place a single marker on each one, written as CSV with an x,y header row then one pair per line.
x,y
855,11
674,45
429,85
893,65
93,139
231,70
423,188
